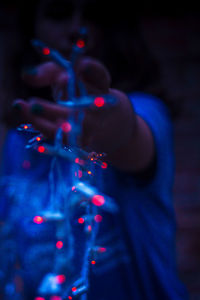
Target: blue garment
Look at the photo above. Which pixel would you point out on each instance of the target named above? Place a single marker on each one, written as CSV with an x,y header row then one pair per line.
x,y
140,261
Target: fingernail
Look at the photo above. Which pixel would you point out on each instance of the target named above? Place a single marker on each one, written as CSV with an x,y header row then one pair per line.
x,y
17,107
37,109
29,71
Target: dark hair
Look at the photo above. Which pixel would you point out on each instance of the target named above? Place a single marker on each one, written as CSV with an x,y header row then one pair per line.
x,y
131,65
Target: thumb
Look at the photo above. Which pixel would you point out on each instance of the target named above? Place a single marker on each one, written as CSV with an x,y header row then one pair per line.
x,y
93,74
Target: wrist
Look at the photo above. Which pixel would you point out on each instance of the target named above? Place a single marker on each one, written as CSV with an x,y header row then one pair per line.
x,y
127,128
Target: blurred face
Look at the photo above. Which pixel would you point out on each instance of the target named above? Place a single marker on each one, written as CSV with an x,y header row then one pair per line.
x,y
58,24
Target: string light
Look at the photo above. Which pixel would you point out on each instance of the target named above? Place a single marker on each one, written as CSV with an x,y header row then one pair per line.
x,y
27,127
38,220
98,200
41,149
80,43
46,51
60,279
81,290
98,218
104,165
79,161
76,160
99,101
66,127
81,220
87,192
89,228
102,249
59,244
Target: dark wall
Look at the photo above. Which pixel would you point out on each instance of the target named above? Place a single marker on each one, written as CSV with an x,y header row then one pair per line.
x,y
176,43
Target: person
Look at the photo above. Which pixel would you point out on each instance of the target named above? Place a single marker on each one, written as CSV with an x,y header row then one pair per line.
x,y
135,134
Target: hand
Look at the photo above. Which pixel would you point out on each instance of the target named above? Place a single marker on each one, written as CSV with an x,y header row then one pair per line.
x,y
105,129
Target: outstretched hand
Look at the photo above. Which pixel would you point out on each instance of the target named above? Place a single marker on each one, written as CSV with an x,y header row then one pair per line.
x,y
104,129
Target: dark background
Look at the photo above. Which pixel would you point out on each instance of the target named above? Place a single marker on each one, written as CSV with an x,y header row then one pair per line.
x,y
173,35
175,40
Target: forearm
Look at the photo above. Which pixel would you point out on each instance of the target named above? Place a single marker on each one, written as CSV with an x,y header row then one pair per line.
x,y
137,153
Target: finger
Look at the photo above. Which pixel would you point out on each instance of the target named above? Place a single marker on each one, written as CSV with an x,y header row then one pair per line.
x,y
94,75
46,74
50,111
41,108
20,108
46,126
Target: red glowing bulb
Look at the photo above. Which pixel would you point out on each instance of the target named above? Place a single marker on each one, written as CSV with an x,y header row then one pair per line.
x,y
38,138
74,289
80,44
98,218
38,220
69,297
41,149
89,228
80,173
98,200
99,101
39,298
46,51
66,127
81,220
79,161
93,262
76,160
102,249
60,279
59,244
104,165
25,127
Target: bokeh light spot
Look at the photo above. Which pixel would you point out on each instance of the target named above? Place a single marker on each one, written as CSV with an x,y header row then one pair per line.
x,y
99,101
98,200
46,51
38,220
